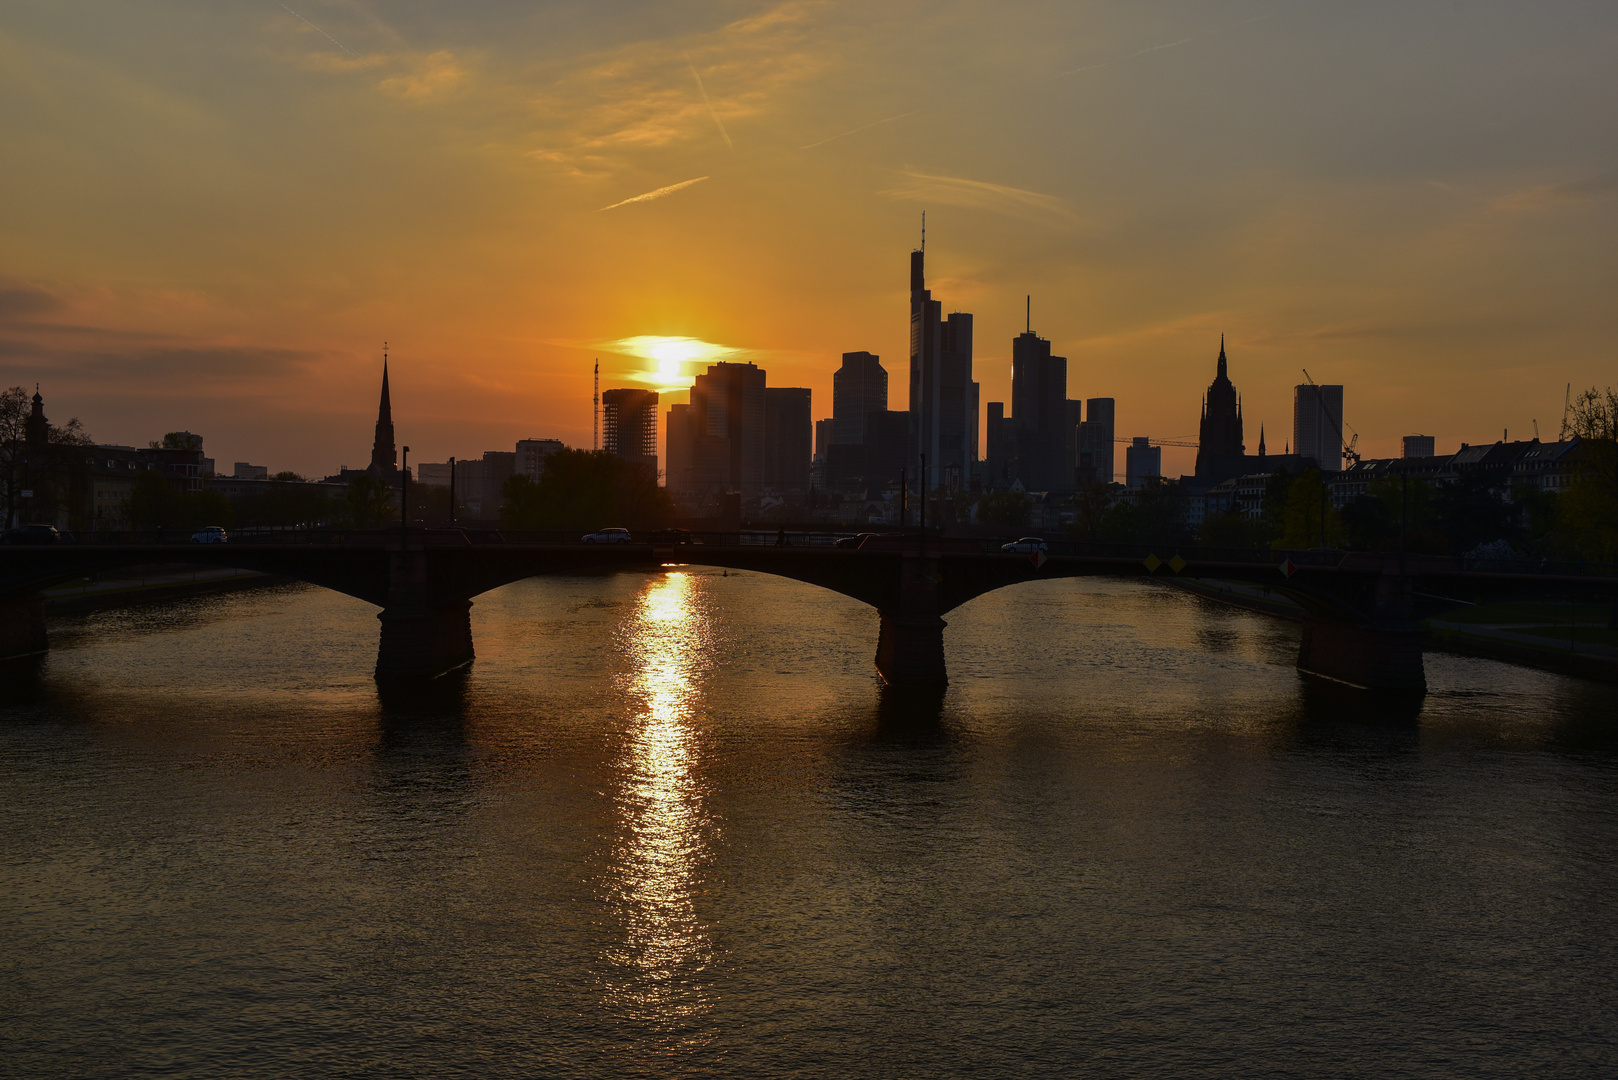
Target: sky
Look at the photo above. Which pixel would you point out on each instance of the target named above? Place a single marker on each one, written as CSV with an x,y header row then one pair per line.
x,y
213,214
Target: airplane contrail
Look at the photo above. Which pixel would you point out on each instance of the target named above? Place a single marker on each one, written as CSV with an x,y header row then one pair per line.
x,y
862,127
1172,44
658,194
705,101
321,32
1120,59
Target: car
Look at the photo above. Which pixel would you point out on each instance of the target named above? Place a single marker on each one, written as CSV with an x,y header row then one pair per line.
x,y
211,534
33,534
607,536
1027,545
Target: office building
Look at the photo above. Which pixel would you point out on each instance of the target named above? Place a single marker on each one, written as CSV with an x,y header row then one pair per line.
x,y
788,439
1142,461
823,437
943,397
1043,418
716,443
1096,438
629,425
479,482
244,471
1317,425
858,388
531,455
1220,448
1418,446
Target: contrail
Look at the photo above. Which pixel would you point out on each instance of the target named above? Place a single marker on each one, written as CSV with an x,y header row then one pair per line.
x,y
1120,59
321,32
705,101
862,127
1170,45
658,194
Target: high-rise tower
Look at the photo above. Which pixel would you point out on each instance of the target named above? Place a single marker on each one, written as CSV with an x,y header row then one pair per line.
x,y
384,455
943,397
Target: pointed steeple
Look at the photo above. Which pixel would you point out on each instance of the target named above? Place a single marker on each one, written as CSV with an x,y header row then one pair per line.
x,y
1221,374
1261,440
37,431
384,455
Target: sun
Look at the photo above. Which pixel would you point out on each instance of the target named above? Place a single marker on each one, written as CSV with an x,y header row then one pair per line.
x,y
669,368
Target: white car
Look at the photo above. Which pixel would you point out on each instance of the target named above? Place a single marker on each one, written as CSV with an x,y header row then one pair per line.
x,y
213,534
608,536
1028,545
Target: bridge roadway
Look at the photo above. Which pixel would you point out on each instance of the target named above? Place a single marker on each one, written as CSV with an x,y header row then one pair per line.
x,y
1361,625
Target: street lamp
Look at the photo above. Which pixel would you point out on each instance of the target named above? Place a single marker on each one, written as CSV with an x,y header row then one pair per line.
x,y
404,496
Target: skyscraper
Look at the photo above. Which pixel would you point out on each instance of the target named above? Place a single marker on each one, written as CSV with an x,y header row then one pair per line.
x,y
1096,441
1142,461
858,388
727,406
629,425
788,439
1219,442
943,397
1041,413
1317,424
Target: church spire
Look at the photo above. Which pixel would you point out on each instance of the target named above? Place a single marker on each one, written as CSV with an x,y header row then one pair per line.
x,y
1221,374
1261,440
384,456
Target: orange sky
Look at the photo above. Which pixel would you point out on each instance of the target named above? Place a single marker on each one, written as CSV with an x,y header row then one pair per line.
x,y
213,215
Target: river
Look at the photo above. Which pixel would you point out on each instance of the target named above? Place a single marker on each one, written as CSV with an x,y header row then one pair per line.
x,y
671,825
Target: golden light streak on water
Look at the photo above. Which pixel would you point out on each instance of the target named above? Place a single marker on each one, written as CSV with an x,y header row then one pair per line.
x,y
659,969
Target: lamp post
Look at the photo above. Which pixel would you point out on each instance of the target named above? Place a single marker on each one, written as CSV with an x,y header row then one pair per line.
x,y
404,497
452,491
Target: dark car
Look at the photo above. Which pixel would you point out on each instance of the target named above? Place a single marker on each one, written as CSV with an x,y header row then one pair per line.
x,y
32,534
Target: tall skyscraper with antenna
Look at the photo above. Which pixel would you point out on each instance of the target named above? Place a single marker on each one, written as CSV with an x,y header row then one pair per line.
x,y
943,397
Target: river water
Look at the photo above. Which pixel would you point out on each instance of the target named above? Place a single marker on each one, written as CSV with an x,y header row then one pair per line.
x,y
671,825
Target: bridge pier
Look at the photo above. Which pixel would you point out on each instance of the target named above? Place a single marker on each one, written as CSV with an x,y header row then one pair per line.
x,y
423,634
22,627
1382,652
910,650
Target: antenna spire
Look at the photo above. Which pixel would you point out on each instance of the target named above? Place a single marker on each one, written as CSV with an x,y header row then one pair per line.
x,y
1028,314
924,232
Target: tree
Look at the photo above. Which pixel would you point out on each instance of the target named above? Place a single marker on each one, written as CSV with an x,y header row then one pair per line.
x,y
48,471
156,502
1307,518
1589,510
1005,508
586,489
370,501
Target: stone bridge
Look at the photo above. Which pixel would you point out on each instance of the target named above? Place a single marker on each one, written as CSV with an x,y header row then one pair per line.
x,y
1361,624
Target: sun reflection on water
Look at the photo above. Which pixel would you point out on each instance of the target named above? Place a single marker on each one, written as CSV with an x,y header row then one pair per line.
x,y
659,971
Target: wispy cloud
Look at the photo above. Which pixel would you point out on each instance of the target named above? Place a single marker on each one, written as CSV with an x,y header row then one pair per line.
x,y
658,194
862,127
982,195
1590,189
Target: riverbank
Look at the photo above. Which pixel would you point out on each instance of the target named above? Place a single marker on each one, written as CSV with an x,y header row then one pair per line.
x,y
1570,639
149,585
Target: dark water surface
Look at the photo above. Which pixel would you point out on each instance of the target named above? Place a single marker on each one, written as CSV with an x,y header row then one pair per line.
x,y
672,826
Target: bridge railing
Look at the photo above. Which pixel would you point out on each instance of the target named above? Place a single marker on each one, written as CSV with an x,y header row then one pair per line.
x,y
891,540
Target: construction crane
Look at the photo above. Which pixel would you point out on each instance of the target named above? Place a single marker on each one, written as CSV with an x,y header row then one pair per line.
x,y
1567,405
1350,448
1160,442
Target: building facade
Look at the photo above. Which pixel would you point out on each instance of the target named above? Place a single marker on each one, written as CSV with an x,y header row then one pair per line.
x,y
1317,424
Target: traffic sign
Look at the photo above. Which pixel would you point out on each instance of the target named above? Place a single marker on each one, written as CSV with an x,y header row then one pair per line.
x,y
1288,568
1037,558
1177,563
1152,562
